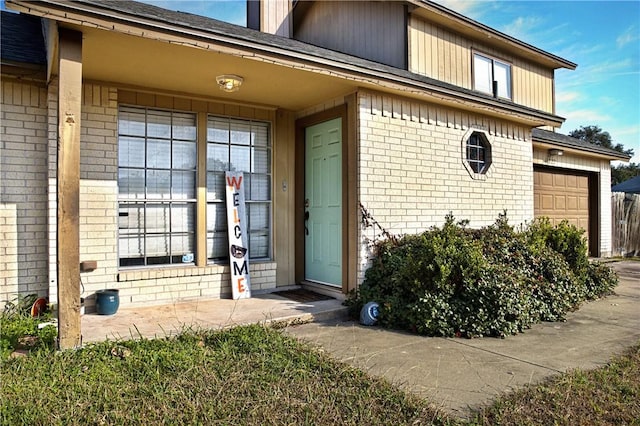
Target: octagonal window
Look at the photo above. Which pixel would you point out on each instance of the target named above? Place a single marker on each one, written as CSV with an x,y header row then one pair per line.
x,y
478,152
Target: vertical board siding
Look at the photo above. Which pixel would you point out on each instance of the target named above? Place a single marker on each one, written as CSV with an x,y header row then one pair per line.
x,y
410,110
371,30
276,17
447,56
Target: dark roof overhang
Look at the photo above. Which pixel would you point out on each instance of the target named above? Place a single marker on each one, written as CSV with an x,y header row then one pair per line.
x,y
22,48
274,48
548,138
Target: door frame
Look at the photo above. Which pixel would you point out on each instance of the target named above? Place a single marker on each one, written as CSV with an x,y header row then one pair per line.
x,y
349,204
593,179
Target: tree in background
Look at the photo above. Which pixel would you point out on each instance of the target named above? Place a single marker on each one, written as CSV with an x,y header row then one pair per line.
x,y
595,135
624,172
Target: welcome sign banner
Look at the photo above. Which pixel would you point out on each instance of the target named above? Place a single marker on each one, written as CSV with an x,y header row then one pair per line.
x,y
237,224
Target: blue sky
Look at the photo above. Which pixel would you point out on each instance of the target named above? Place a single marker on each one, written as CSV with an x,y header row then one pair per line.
x,y
602,37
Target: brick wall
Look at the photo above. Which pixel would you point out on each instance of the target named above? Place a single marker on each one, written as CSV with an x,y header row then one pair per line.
x,y
23,223
99,188
99,225
412,172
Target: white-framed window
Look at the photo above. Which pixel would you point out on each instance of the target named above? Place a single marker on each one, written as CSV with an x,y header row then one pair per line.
x,y
156,186
239,145
477,155
488,72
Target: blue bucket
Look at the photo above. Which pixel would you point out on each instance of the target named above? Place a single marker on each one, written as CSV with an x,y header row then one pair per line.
x,y
107,301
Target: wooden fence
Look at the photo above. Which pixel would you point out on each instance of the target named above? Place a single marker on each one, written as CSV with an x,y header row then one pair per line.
x,y
625,218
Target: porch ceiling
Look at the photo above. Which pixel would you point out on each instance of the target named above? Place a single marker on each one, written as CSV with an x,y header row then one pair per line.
x,y
144,63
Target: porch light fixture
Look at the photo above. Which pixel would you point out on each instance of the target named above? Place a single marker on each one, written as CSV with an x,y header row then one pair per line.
x,y
556,152
229,82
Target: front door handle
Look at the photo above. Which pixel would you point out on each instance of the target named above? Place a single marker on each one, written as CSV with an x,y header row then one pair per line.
x,y
306,218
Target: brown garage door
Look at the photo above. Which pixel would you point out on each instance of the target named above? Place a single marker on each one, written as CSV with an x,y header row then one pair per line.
x,y
560,194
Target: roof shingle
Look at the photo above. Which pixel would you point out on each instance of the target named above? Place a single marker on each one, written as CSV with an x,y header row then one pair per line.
x,y
21,39
559,139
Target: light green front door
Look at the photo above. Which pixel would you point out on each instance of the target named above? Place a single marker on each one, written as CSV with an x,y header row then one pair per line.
x,y
323,203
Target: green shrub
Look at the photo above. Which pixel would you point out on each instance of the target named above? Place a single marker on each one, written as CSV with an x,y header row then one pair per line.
x,y
453,281
19,330
600,280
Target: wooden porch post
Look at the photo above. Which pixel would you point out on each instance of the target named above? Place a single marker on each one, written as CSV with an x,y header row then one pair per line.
x,y
68,192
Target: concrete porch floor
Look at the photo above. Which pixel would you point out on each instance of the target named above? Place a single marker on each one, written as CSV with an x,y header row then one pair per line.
x,y
170,319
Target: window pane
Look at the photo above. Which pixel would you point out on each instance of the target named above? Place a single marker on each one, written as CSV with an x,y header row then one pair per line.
x,y
158,218
215,186
216,217
158,184
131,246
258,245
502,74
258,216
184,155
183,185
240,133
240,156
260,134
184,126
217,157
158,153
472,153
131,219
131,121
181,244
131,152
261,161
482,74
131,183
217,245
159,124
157,245
260,188
182,217
247,186
218,130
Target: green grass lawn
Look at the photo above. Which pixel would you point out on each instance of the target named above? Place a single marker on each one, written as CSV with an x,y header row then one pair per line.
x,y
248,375
605,396
258,376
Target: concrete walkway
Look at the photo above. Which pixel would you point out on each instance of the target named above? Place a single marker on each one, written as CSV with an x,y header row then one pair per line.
x,y
165,320
459,374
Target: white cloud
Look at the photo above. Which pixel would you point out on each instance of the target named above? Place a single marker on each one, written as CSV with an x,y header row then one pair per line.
x,y
630,35
465,7
568,97
629,137
522,27
589,116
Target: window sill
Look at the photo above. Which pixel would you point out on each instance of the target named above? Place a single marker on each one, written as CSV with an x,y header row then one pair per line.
x,y
186,271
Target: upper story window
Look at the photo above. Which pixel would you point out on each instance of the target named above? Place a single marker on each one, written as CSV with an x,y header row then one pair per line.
x,y
491,76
